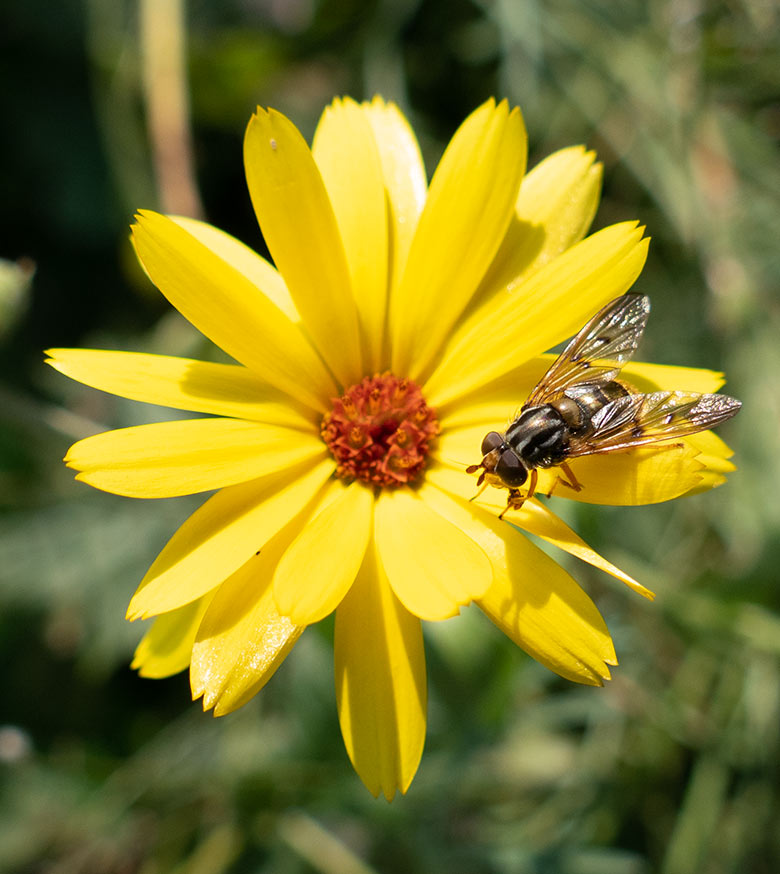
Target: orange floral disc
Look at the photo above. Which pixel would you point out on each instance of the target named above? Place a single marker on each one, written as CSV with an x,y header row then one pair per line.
x,y
379,431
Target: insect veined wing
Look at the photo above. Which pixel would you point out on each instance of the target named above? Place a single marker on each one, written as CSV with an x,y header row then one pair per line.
x,y
597,353
640,419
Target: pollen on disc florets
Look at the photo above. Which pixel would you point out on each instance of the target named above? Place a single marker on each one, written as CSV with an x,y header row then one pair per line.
x,y
379,431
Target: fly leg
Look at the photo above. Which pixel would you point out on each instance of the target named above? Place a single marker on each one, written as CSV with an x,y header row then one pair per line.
x,y
479,492
516,498
571,483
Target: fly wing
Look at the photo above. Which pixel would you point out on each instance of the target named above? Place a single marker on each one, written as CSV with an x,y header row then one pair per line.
x,y
640,419
598,352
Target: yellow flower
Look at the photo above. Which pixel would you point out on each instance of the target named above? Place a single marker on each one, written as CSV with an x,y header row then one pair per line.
x,y
400,323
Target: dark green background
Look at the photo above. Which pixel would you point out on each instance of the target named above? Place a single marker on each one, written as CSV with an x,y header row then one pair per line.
x,y
671,768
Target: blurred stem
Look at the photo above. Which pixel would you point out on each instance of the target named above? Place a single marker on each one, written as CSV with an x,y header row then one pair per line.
x,y
162,31
22,409
320,847
699,818
112,48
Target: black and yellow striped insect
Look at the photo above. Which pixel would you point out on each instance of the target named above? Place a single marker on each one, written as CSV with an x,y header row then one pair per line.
x,y
579,407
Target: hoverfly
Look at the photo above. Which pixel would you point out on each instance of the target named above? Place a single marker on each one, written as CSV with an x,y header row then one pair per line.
x,y
580,408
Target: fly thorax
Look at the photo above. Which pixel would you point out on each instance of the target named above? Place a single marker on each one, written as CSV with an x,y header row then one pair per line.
x,y
538,436
574,416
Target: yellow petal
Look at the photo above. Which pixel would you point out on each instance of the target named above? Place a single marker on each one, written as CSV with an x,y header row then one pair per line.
x,y
256,269
380,682
229,309
532,517
538,520
321,564
300,229
532,599
167,459
496,404
469,206
561,195
242,639
646,377
551,305
712,448
714,455
460,447
543,610
709,480
433,567
404,178
346,153
554,209
647,475
166,648
182,383
222,535
713,452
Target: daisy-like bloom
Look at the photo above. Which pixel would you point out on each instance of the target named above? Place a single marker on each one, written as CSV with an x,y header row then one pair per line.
x,y
400,323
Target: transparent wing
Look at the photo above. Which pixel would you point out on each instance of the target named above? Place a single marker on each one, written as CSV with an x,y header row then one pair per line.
x,y
640,419
596,354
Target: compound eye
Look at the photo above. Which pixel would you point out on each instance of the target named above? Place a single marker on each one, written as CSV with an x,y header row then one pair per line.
x,y
511,469
492,441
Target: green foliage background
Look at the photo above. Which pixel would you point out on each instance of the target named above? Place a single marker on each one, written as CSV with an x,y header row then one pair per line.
x,y
674,766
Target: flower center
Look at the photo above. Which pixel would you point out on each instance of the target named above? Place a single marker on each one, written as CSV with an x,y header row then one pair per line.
x,y
379,431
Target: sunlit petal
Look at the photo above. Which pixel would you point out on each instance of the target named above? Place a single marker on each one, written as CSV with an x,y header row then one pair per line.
x,y
184,384
404,178
556,204
537,519
460,447
712,448
166,648
380,682
229,309
223,534
300,230
433,567
167,459
498,402
532,599
532,517
321,564
551,305
647,377
347,156
714,455
469,206
242,638
647,475
256,269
